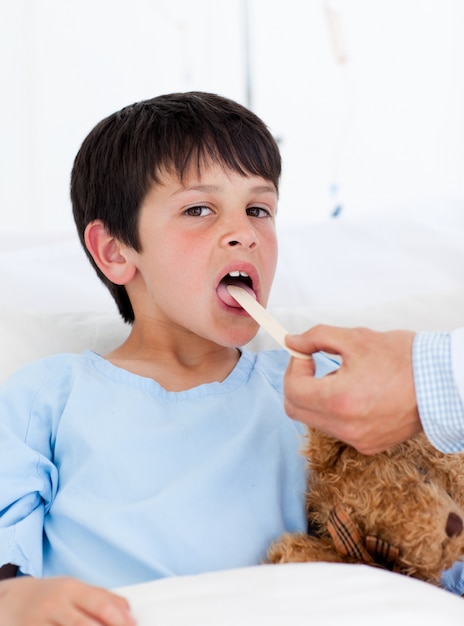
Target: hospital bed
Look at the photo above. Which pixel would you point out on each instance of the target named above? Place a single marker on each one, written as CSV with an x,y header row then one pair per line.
x,y
383,273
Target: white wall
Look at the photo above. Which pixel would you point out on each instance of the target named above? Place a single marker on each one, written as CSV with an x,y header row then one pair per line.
x,y
386,126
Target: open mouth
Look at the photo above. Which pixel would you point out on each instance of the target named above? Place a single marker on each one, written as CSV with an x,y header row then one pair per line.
x,y
238,278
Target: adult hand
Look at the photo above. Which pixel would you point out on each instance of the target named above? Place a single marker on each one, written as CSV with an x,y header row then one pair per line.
x,y
26,601
370,401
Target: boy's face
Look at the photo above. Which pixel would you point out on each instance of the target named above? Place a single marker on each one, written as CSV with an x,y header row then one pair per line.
x,y
192,235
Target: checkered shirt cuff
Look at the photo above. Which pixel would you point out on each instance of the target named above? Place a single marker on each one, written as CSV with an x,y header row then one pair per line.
x,y
440,406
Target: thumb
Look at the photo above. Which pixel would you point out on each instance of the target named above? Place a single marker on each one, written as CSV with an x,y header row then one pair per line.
x,y
319,338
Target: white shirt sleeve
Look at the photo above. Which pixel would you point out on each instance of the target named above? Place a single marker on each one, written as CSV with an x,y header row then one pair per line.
x,y
438,363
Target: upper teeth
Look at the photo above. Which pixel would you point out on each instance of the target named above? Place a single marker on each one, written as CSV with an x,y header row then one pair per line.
x,y
237,273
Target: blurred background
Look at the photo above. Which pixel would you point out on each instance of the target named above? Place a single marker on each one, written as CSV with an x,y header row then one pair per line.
x,y
366,97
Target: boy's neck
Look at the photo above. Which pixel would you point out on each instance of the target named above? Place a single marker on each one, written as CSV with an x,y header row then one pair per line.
x,y
175,367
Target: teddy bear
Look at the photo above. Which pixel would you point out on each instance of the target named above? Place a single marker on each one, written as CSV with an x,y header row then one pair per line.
x,y
402,509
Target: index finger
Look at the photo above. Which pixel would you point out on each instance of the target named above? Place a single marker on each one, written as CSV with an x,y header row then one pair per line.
x,y
334,340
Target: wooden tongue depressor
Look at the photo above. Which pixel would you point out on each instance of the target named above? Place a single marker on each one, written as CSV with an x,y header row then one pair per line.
x,y
264,319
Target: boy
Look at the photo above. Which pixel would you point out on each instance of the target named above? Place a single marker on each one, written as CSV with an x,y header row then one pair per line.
x,y
172,454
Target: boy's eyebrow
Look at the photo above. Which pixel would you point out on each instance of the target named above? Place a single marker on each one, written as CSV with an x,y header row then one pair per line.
x,y
215,188
264,189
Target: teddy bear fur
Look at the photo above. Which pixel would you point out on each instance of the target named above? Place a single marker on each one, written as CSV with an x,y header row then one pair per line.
x,y
402,509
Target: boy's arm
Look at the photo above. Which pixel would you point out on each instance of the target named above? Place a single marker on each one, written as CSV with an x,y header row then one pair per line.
x,y
60,602
28,476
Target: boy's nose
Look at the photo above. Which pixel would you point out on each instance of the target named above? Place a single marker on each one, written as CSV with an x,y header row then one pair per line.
x,y
240,234
235,242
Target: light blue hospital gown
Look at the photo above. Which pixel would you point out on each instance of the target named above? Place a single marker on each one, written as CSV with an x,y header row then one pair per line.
x,y
106,476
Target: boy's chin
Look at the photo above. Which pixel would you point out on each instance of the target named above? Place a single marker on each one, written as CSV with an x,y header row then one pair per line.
x,y
232,335
239,340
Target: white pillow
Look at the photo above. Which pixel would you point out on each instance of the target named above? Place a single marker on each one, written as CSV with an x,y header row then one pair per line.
x,y
426,311
26,337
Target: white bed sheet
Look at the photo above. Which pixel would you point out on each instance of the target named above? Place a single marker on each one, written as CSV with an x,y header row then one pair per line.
x,y
300,594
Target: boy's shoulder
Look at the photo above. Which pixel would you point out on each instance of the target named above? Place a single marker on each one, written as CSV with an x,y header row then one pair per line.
x,y
269,367
272,361
39,388
275,362
39,372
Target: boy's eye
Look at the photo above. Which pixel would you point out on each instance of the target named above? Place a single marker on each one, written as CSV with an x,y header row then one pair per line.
x,y
198,211
256,211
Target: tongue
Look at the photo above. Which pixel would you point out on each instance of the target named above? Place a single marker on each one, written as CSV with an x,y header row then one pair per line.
x,y
225,296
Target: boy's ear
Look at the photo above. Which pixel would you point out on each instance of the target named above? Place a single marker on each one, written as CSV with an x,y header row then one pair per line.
x,y
109,254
